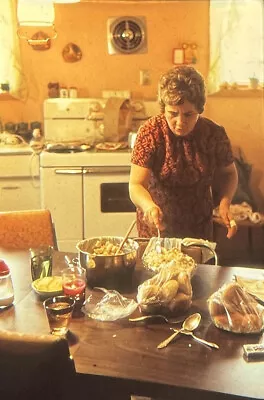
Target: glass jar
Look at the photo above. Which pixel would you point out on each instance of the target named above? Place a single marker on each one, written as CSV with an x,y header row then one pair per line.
x,y
74,285
6,286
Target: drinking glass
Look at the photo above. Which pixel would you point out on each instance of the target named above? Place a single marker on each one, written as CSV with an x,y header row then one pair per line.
x,y
74,284
59,312
41,262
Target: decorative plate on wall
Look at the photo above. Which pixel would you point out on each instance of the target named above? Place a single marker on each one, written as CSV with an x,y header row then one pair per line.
x,y
71,53
126,35
40,41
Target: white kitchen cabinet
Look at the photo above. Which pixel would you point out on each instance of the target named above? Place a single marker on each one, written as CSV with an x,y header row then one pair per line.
x,y
19,181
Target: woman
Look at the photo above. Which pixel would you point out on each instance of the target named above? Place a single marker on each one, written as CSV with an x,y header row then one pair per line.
x,y
176,158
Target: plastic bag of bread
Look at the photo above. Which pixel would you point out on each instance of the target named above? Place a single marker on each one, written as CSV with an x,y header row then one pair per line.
x,y
233,309
168,292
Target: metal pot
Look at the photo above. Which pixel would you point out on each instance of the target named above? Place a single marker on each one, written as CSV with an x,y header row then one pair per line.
x,y
108,271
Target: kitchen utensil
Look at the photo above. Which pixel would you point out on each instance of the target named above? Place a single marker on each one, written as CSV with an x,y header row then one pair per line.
x,y
109,271
189,324
189,332
189,242
158,243
157,316
125,238
67,259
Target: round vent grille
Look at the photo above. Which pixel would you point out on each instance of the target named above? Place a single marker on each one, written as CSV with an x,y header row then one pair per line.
x,y
127,35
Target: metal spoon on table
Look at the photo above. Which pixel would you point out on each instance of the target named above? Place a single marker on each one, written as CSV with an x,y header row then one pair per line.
x,y
189,325
200,340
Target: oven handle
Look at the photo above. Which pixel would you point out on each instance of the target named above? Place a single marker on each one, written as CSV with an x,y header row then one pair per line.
x,y
69,171
107,170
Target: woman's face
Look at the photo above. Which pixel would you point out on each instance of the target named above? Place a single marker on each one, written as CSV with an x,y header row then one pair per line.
x,y
181,118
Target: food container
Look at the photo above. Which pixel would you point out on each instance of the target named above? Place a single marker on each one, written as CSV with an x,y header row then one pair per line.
x,y
189,251
107,269
167,293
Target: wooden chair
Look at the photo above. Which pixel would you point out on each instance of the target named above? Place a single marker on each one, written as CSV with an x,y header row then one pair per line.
x,y
24,229
35,367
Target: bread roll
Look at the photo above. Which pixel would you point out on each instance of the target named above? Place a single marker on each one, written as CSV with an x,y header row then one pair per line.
x,y
248,323
215,307
184,283
181,302
147,292
169,290
235,310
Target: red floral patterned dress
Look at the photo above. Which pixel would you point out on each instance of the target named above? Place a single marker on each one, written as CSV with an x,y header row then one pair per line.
x,y
182,174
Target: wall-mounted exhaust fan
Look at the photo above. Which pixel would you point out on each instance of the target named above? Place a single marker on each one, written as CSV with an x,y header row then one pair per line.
x,y
126,35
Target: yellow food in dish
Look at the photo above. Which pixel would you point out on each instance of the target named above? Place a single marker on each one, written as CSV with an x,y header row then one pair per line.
x,y
48,284
155,260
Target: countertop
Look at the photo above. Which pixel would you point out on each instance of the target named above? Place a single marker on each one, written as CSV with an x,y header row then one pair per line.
x,y
15,149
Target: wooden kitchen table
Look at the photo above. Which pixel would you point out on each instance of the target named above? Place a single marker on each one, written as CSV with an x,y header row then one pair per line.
x,y
115,359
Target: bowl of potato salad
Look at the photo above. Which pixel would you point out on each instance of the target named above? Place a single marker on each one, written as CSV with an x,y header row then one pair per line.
x,y
105,266
48,286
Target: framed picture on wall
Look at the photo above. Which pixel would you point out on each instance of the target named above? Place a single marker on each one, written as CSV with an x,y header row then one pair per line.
x,y
178,56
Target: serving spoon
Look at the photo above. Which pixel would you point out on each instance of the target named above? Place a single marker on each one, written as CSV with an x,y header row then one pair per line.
x,y
200,340
125,238
188,325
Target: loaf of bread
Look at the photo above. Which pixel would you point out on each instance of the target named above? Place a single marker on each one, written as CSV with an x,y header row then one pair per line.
x,y
168,292
233,309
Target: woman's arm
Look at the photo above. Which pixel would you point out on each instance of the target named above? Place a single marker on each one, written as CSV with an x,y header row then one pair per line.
x,y
227,184
140,196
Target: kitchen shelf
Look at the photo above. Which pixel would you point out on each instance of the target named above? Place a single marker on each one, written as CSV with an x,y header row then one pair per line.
x,y
130,1
238,93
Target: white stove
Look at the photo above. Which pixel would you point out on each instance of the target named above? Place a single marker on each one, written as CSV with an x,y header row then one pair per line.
x,y
86,158
86,191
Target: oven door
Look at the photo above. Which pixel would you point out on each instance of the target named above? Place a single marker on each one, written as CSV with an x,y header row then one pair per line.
x,y
108,210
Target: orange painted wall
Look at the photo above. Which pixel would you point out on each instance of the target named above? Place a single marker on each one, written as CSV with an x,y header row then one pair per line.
x,y
168,26
85,24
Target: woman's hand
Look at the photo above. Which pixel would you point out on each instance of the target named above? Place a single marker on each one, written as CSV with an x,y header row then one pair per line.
x,y
154,216
227,218
227,179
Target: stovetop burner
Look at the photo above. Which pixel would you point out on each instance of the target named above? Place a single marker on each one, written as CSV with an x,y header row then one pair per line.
x,y
66,148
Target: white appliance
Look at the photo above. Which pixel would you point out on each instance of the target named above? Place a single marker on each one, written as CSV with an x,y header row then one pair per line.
x,y
86,192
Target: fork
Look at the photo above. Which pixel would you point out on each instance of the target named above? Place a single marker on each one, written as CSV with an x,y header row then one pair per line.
x,y
158,243
146,317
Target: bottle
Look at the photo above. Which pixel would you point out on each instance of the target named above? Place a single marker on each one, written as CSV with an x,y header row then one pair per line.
x,y
73,92
6,286
64,92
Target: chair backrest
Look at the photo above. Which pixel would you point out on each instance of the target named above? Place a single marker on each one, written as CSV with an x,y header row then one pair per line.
x,y
25,229
35,367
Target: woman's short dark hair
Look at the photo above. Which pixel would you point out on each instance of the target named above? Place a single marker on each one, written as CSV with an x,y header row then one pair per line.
x,y
182,83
